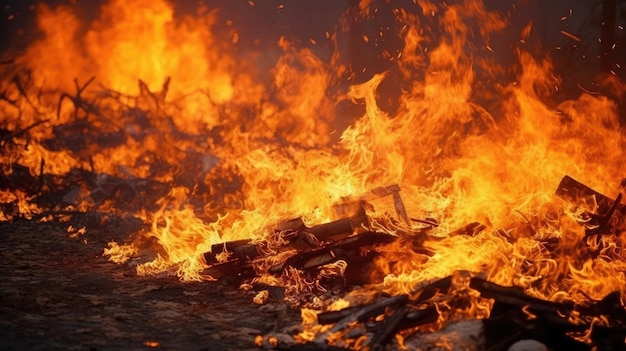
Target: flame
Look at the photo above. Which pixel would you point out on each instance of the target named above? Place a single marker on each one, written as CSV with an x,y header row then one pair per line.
x,y
465,141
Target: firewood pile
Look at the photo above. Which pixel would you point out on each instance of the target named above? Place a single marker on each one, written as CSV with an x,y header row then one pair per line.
x,y
99,125
507,315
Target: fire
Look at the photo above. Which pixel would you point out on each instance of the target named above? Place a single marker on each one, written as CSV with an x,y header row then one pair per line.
x,y
465,141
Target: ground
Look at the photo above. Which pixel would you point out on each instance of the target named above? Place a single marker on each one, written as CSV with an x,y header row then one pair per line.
x,y
59,293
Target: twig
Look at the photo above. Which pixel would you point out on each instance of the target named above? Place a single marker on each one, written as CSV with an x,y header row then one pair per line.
x,y
3,96
78,101
161,96
22,131
20,88
40,183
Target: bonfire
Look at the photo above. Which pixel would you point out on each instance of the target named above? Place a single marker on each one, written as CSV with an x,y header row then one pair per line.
x,y
403,174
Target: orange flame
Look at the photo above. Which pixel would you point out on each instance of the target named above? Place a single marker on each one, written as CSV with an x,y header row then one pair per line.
x,y
464,143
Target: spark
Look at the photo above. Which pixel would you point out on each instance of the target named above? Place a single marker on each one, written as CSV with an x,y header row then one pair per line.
x,y
570,35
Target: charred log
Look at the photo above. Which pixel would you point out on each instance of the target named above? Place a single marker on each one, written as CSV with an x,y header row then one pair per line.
x,y
418,317
388,328
515,316
346,249
580,194
605,215
297,235
231,271
516,297
362,314
438,286
528,317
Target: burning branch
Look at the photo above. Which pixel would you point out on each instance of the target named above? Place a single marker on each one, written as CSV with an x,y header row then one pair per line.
x,y
79,102
549,322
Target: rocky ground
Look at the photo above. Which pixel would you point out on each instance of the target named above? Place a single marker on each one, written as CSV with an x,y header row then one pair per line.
x,y
59,293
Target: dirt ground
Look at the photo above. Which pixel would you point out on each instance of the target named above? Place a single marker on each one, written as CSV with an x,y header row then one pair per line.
x,y
59,293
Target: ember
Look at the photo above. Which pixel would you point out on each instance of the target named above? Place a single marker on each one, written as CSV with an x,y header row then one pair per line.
x,y
429,185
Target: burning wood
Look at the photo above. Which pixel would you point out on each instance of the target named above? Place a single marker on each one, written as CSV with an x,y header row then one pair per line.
x,y
293,234
602,214
551,323
303,248
512,315
356,241
440,164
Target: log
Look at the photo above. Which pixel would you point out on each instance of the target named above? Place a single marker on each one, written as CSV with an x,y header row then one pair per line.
x,y
296,233
330,317
419,317
362,314
411,319
347,249
339,229
515,316
331,230
551,324
427,291
516,297
392,190
578,193
387,328
241,250
504,330
600,208
234,270
354,249
610,306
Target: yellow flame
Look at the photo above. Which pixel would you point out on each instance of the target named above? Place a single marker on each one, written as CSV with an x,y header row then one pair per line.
x,y
465,144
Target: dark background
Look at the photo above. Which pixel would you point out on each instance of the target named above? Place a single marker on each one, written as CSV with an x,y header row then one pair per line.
x,y
261,25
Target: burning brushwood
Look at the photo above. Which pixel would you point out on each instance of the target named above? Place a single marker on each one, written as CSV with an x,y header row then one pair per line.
x,y
527,317
509,316
352,240
237,140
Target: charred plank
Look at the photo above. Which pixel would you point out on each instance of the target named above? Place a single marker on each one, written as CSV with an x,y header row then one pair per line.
x,y
605,214
576,192
351,247
419,317
516,296
388,328
362,314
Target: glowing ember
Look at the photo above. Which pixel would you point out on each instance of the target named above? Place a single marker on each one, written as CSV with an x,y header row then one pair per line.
x,y
177,102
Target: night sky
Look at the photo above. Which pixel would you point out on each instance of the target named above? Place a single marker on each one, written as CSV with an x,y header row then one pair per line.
x,y
261,25
306,18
